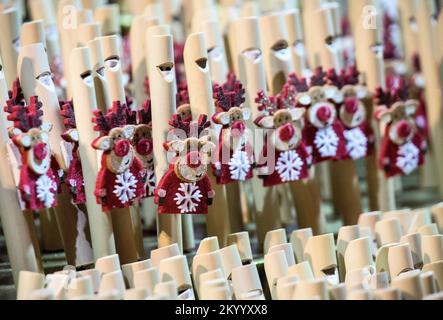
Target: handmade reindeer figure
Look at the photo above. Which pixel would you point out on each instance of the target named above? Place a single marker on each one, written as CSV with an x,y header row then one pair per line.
x,y
142,143
120,180
39,181
74,178
352,113
186,188
285,145
323,132
235,154
403,147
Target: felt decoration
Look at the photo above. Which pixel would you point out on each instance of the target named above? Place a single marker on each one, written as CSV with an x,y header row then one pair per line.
x,y
284,157
235,160
403,147
39,181
120,181
74,178
351,111
323,132
186,188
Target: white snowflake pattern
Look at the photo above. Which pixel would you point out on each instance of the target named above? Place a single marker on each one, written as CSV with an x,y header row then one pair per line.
x,y
239,166
289,166
408,158
125,186
45,190
326,141
188,197
356,143
151,182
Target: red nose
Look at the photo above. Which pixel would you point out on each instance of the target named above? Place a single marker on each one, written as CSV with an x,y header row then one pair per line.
x,y
324,113
238,128
122,148
144,147
40,151
193,159
404,129
351,106
286,133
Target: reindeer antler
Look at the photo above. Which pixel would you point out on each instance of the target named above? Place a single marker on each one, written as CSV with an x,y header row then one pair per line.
x,y
352,76
67,112
178,123
144,114
319,77
335,79
401,91
16,94
182,94
382,97
266,104
287,98
300,84
25,117
230,95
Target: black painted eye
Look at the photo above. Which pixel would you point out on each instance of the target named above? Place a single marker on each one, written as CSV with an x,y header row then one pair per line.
x,y
168,66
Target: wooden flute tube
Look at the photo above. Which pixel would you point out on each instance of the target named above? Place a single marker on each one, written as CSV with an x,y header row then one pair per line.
x,y
163,101
108,16
84,97
369,58
345,187
276,51
44,10
32,58
310,29
67,216
434,82
139,26
10,24
101,88
202,102
18,227
88,31
126,222
294,26
67,22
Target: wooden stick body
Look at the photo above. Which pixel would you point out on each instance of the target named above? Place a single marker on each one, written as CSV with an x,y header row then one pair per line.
x,y
84,97
10,22
163,101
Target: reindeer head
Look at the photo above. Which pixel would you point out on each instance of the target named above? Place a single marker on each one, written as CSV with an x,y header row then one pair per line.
x,y
397,112
286,122
321,113
192,155
116,138
142,140
350,98
30,134
229,100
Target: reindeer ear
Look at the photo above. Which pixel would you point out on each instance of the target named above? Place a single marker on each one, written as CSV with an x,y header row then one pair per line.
x,y
103,143
73,135
129,131
383,115
304,99
222,118
266,122
47,127
297,113
411,107
338,97
330,92
14,132
246,114
177,146
362,92
24,140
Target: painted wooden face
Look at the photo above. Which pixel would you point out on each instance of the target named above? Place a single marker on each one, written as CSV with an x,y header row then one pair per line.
x,y
352,112
185,112
401,121
192,157
35,147
234,119
143,145
117,148
287,125
320,113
